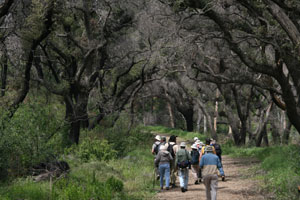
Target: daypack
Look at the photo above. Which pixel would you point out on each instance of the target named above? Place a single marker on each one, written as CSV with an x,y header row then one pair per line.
x,y
218,149
156,148
171,150
183,164
205,151
195,157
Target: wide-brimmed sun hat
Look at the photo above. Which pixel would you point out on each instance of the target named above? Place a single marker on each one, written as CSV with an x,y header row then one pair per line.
x,y
182,144
158,137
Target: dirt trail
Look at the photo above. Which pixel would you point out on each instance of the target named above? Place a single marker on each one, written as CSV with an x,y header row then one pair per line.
x,y
236,186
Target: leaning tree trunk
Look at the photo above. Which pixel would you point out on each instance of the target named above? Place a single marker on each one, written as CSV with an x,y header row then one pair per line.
x,y
81,109
234,124
171,115
199,118
207,120
74,131
243,132
286,133
216,110
275,132
261,135
3,75
76,115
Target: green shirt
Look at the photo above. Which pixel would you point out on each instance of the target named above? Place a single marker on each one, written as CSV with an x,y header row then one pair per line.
x,y
182,155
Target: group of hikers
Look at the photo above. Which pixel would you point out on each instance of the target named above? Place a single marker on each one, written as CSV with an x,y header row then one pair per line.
x,y
204,160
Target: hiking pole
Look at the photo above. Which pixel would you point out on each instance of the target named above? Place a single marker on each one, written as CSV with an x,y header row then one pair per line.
x,y
154,177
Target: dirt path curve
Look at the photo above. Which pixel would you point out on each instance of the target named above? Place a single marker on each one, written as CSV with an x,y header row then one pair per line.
x,y
236,186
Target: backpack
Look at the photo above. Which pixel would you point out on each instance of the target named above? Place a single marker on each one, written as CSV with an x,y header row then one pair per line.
x,y
195,157
156,148
171,150
218,149
205,151
183,164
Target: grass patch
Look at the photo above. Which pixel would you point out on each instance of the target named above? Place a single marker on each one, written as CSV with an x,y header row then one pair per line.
x,y
137,170
279,168
94,175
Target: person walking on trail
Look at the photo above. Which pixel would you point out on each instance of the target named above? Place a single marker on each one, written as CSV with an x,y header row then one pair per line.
x,y
195,163
199,145
209,164
173,148
163,141
156,144
155,149
199,148
183,159
217,148
195,139
203,150
218,152
163,160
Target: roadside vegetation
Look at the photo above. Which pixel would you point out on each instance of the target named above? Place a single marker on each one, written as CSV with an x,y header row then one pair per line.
x,y
108,163
178,132
278,171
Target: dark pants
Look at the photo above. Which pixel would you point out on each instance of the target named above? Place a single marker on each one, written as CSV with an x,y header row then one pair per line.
x,y
220,157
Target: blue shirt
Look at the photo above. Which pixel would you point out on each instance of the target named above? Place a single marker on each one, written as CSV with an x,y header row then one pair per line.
x,y
210,164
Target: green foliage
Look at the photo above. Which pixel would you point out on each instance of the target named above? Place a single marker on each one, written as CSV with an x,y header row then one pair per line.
x,y
281,166
85,189
33,135
115,184
119,137
93,149
137,171
96,171
170,131
34,23
70,188
25,189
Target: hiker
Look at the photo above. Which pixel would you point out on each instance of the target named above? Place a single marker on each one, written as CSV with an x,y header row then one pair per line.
x,y
155,146
183,159
163,160
207,144
195,163
209,164
155,149
163,141
173,148
199,145
217,148
199,148
218,152
195,139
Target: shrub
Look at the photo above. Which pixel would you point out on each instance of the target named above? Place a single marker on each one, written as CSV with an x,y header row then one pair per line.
x,y
115,184
65,189
24,189
119,138
34,134
93,149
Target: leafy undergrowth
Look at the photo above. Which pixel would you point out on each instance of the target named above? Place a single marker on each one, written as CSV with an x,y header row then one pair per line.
x,y
178,132
279,171
98,171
